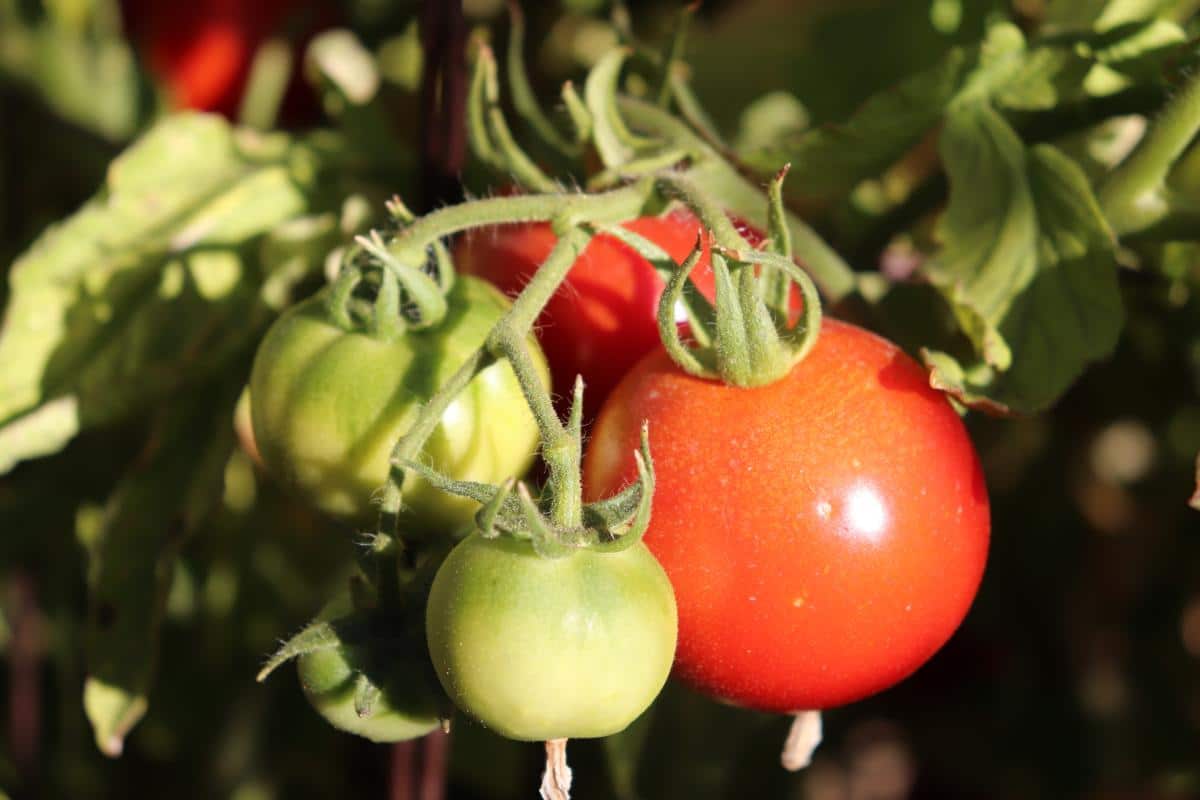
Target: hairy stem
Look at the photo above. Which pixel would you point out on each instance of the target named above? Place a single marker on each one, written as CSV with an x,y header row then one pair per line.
x,y
507,340
614,206
1133,198
741,196
559,446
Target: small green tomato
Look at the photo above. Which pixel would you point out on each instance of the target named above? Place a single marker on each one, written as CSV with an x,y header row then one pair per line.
x,y
327,406
550,648
407,706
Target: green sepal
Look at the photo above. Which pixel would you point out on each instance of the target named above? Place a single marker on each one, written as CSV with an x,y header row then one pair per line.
x,y
614,140
802,336
700,362
421,292
318,635
546,540
524,99
732,340
609,525
485,519
751,341
366,696
488,132
779,241
478,138
700,312
581,118
387,324
626,528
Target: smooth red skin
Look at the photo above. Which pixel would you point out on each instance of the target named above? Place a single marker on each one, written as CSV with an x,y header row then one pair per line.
x,y
604,317
825,534
203,50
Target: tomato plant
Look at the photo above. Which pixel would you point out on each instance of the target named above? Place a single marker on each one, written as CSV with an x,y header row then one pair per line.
x,y
825,534
328,404
549,648
1005,211
603,319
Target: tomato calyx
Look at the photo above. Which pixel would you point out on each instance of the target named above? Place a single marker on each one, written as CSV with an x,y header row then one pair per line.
x,y
609,525
747,337
383,295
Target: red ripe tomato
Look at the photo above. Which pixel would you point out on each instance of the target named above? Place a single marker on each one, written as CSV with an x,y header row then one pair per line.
x,y
825,534
203,50
603,318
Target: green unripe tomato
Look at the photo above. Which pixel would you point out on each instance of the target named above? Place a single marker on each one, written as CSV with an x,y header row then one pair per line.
x,y
407,707
549,648
327,406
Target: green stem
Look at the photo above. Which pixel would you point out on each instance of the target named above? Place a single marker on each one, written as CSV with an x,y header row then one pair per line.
x,y
560,448
1132,198
617,205
524,99
702,204
715,175
511,157
689,106
269,73
507,340
674,52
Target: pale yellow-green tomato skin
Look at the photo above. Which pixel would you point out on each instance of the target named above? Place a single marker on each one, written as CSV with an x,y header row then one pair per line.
x,y
328,405
539,648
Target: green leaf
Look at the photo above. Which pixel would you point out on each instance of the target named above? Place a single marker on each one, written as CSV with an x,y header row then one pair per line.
x,y
78,64
1027,267
1105,14
989,251
1004,70
150,284
829,160
132,547
1116,58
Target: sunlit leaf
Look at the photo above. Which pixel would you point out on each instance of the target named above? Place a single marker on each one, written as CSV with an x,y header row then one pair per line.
x,y
131,553
1027,267
148,285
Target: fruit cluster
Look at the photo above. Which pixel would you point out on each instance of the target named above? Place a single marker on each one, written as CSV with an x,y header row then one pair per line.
x,y
777,508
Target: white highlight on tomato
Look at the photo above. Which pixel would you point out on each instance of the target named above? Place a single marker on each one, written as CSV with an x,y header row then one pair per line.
x,y
866,516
